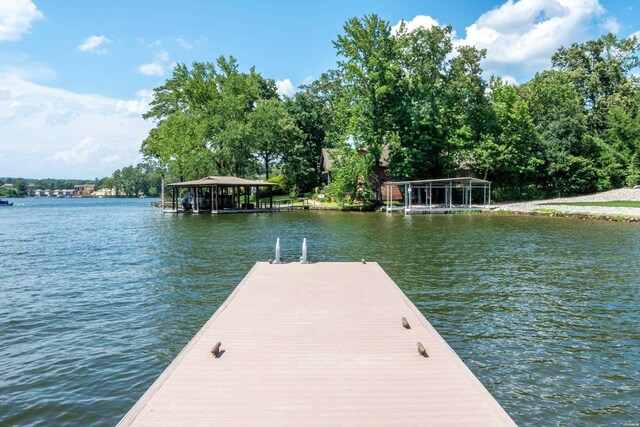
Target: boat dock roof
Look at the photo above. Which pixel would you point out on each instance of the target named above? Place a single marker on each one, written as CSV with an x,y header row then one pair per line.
x,y
222,181
317,344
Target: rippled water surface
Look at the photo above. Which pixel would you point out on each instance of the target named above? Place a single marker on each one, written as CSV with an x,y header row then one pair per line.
x,y
97,296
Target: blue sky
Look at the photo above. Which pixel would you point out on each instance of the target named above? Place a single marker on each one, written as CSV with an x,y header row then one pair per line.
x,y
75,77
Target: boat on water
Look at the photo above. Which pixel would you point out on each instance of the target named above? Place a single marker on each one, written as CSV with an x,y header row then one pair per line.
x,y
5,203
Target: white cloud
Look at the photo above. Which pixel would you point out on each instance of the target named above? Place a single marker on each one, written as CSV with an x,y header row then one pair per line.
x,y
417,22
611,25
184,43
162,56
51,132
94,44
526,33
308,80
16,17
79,153
138,106
636,35
110,160
510,80
157,67
285,87
152,69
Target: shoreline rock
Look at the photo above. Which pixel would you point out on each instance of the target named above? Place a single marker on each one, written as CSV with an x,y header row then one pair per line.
x,y
622,194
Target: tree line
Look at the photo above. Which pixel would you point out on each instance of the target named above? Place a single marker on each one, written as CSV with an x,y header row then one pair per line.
x,y
572,129
130,181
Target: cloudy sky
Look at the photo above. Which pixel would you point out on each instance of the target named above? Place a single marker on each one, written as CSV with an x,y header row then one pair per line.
x,y
75,77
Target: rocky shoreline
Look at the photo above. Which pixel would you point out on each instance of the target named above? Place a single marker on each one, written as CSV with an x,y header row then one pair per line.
x,y
543,207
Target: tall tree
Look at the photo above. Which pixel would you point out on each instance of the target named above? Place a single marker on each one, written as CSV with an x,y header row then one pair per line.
x,y
507,153
371,73
272,130
622,149
422,56
599,69
201,117
469,113
568,152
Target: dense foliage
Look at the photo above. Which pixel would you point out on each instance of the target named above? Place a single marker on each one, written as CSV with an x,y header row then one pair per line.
x,y
400,105
132,181
421,102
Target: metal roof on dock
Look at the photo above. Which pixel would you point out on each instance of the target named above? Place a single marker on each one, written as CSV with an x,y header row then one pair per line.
x,y
317,344
224,181
466,179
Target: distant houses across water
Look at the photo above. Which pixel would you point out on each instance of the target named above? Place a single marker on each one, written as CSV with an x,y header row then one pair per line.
x,y
78,191
84,190
53,193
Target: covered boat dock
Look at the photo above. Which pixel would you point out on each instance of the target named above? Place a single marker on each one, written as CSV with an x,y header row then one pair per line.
x,y
221,194
440,195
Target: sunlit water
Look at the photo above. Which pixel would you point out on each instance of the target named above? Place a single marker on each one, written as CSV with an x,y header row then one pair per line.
x,y
97,296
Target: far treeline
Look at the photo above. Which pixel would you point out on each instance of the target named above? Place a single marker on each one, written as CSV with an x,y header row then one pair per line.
x,y
131,181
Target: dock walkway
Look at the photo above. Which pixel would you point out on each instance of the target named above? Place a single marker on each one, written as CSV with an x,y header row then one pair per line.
x,y
317,344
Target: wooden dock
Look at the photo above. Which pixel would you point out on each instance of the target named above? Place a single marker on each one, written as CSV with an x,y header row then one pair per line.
x,y
317,344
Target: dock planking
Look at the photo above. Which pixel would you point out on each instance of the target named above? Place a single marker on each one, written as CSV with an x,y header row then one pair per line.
x,y
317,344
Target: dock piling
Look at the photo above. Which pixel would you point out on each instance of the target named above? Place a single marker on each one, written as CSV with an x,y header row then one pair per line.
x,y
303,258
278,259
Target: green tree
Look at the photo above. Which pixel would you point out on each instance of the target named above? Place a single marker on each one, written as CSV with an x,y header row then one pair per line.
x,y
507,153
313,111
469,117
422,55
117,182
201,117
272,130
371,74
622,148
568,152
599,69
106,184
20,187
351,178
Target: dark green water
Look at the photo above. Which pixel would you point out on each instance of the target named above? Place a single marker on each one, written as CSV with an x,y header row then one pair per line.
x,y
97,296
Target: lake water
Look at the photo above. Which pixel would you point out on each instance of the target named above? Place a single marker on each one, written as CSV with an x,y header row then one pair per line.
x,y
97,297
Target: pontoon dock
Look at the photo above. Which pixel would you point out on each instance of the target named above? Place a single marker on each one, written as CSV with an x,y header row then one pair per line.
x,y
317,344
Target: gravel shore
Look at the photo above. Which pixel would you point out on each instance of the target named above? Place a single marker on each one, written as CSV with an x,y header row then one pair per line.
x,y
622,194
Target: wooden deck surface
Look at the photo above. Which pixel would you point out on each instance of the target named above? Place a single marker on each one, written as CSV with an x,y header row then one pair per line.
x,y
317,344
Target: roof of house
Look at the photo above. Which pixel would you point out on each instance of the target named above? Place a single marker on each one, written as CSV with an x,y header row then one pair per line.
x,y
329,155
228,181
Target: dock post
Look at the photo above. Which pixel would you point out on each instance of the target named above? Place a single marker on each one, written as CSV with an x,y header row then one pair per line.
x,y
303,258
278,259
